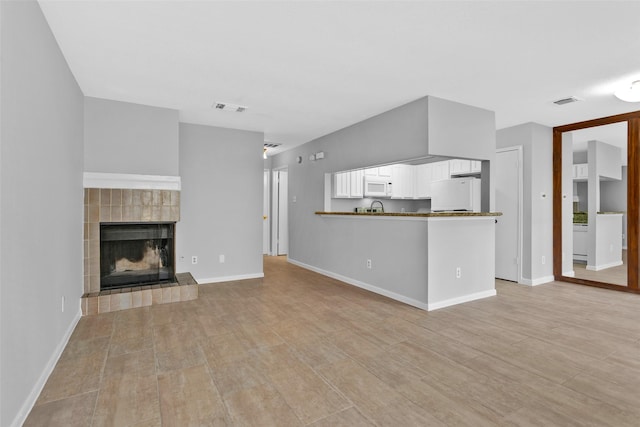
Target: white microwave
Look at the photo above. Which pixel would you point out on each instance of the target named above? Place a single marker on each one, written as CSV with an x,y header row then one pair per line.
x,y
375,186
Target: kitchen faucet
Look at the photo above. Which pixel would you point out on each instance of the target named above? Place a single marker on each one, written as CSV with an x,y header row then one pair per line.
x,y
381,205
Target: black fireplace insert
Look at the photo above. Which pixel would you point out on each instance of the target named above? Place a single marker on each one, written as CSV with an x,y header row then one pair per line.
x,y
136,254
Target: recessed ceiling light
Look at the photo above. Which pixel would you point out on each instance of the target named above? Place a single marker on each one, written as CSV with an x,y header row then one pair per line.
x,y
630,93
225,106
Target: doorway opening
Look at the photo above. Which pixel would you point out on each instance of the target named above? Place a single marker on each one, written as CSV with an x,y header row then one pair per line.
x,y
280,223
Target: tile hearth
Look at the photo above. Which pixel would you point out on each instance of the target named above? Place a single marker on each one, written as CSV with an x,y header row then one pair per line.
x,y
185,288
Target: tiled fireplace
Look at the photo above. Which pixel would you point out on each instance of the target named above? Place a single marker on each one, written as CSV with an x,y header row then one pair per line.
x,y
118,212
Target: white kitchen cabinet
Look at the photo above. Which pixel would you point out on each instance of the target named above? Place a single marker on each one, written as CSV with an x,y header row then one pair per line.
x,y
464,167
371,172
580,242
423,178
581,171
459,166
348,185
440,171
341,185
476,166
356,183
403,178
384,171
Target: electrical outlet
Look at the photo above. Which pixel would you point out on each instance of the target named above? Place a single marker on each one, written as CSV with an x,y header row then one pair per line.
x,y
62,304
458,272
544,260
295,199
194,260
221,259
369,264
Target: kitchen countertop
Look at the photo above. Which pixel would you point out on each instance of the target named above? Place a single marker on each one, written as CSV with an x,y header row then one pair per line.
x,y
414,214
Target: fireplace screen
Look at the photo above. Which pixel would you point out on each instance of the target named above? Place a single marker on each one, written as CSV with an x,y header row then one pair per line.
x,y
136,254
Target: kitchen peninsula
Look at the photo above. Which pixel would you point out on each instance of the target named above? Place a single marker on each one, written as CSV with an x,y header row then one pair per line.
x,y
427,260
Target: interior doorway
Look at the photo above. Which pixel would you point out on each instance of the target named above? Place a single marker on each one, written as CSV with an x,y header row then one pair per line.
x,y
280,229
508,193
266,218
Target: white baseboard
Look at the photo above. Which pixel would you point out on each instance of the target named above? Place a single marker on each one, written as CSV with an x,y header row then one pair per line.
x,y
27,406
538,281
604,266
460,300
230,278
363,285
571,273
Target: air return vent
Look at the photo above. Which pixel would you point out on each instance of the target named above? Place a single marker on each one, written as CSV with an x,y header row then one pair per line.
x,y
225,106
568,100
271,145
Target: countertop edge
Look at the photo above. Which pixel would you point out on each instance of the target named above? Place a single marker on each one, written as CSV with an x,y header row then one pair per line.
x,y
412,214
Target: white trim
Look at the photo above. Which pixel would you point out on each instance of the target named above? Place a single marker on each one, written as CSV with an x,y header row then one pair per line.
x,y
604,266
359,284
230,278
570,273
130,181
538,281
462,299
28,404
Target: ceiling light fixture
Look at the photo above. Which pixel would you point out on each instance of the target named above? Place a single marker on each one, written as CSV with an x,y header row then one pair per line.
x,y
264,153
629,93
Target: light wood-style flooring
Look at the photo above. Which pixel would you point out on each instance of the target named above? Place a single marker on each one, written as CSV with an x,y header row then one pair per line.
x,y
614,275
298,348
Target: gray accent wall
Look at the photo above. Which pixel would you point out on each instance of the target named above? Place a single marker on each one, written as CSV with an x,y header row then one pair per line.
x,y
396,135
122,137
221,202
41,202
537,150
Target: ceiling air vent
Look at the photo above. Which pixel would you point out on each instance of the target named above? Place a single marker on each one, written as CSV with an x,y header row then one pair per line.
x,y
225,106
568,100
271,145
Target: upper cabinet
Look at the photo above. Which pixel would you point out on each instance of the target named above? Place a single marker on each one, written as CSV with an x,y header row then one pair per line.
x,y
464,167
403,180
348,185
581,172
408,182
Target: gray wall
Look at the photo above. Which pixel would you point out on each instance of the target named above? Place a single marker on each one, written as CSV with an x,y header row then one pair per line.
x,y
41,204
121,137
394,136
537,147
221,201
613,198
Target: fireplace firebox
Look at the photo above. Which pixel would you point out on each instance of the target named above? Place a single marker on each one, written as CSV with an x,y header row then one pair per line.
x,y
136,254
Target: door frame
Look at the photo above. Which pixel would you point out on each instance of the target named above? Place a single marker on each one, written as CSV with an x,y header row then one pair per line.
x,y
519,149
633,200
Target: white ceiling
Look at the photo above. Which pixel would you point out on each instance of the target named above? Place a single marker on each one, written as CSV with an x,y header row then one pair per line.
x,y
305,68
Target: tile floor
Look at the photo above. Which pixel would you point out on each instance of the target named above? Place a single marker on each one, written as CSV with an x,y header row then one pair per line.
x,y
300,349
